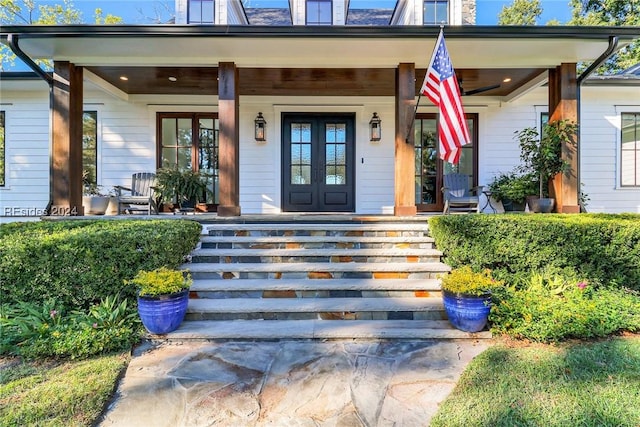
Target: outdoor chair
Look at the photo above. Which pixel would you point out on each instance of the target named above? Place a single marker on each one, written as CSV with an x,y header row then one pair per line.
x,y
458,196
140,196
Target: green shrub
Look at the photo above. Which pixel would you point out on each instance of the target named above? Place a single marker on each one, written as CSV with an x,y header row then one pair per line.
x,y
552,307
78,263
34,331
602,247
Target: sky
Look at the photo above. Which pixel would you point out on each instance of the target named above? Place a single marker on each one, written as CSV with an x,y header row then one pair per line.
x,y
146,11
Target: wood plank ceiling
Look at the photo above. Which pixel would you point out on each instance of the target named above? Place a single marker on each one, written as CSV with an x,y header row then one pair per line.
x,y
297,81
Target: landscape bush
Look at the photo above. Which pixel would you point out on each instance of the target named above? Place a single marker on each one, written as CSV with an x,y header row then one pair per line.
x,y
602,247
47,331
554,307
78,263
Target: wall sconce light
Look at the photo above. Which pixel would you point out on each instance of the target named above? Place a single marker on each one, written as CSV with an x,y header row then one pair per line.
x,y
261,128
375,130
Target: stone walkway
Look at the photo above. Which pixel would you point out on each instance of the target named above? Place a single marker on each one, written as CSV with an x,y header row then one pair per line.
x,y
290,383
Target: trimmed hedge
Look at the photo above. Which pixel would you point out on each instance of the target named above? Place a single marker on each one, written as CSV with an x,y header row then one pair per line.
x,y
602,247
77,263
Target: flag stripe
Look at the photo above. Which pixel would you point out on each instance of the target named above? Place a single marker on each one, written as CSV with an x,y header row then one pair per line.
x,y
440,85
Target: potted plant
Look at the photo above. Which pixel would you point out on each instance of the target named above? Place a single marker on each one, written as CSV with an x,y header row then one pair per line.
x,y
95,200
182,188
466,296
163,295
512,188
541,155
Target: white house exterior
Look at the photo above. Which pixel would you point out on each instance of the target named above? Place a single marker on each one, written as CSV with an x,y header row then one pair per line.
x,y
129,123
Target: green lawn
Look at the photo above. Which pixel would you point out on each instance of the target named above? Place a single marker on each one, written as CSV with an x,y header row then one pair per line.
x,y
570,384
65,394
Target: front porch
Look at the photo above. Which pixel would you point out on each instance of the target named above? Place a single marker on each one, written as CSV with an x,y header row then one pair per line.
x,y
374,72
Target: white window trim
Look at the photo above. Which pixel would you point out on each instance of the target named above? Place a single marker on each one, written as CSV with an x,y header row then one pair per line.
x,y
620,110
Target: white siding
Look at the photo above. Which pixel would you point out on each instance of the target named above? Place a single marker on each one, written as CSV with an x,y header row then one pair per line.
x,y
127,143
600,148
26,187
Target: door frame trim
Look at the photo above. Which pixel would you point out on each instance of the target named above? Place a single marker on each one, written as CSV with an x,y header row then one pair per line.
x,y
342,111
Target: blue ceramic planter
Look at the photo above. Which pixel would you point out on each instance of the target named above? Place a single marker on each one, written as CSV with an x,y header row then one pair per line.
x,y
467,313
163,314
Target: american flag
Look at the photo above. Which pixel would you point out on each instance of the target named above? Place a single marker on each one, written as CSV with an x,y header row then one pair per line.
x,y
441,87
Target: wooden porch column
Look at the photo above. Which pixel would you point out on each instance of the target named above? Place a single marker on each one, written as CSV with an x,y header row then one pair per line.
x,y
563,105
405,202
66,143
229,151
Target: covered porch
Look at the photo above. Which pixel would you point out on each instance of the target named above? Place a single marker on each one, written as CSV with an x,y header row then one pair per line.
x,y
352,70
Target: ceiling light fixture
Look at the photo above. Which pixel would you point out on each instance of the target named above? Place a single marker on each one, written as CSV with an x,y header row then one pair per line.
x,y
124,78
173,79
506,80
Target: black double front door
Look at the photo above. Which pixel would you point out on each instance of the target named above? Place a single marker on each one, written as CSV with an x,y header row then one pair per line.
x,y
318,162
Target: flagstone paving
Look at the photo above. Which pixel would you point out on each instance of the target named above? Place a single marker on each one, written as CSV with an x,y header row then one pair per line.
x,y
290,383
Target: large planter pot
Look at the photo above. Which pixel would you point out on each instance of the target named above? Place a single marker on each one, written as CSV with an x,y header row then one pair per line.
x,y
540,205
95,205
511,206
163,314
466,312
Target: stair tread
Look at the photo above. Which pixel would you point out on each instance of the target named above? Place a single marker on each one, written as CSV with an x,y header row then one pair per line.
x,y
317,252
319,329
316,239
312,305
379,226
407,267
203,285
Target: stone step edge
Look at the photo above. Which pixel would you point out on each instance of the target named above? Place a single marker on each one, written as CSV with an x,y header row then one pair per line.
x,y
312,305
307,267
194,330
245,285
289,226
316,239
352,252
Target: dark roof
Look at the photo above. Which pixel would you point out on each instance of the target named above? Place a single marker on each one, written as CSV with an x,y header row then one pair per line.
x,y
630,76
268,16
633,71
369,16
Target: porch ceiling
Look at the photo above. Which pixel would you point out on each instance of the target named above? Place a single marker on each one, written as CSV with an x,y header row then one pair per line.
x,y
298,81
316,58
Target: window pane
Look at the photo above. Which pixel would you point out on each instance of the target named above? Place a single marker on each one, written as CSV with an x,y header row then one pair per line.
x,y
169,132
201,12
184,132
168,158
89,148
319,12
207,12
630,150
306,154
436,12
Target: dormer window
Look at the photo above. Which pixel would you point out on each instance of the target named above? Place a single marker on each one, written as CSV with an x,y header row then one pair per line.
x,y
201,12
319,12
436,12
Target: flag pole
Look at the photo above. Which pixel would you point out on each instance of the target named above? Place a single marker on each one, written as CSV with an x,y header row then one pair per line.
x,y
415,111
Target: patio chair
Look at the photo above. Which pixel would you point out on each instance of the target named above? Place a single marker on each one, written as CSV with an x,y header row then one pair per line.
x,y
140,195
458,196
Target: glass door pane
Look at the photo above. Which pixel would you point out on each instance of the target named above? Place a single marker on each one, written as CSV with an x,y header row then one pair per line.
x,y
426,149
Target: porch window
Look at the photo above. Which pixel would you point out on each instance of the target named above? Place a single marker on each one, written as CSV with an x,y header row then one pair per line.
x,y
630,150
2,150
189,141
201,12
436,12
90,148
319,12
429,169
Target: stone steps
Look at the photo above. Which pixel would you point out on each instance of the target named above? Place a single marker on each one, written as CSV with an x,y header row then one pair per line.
x,y
327,277
216,285
303,242
320,329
